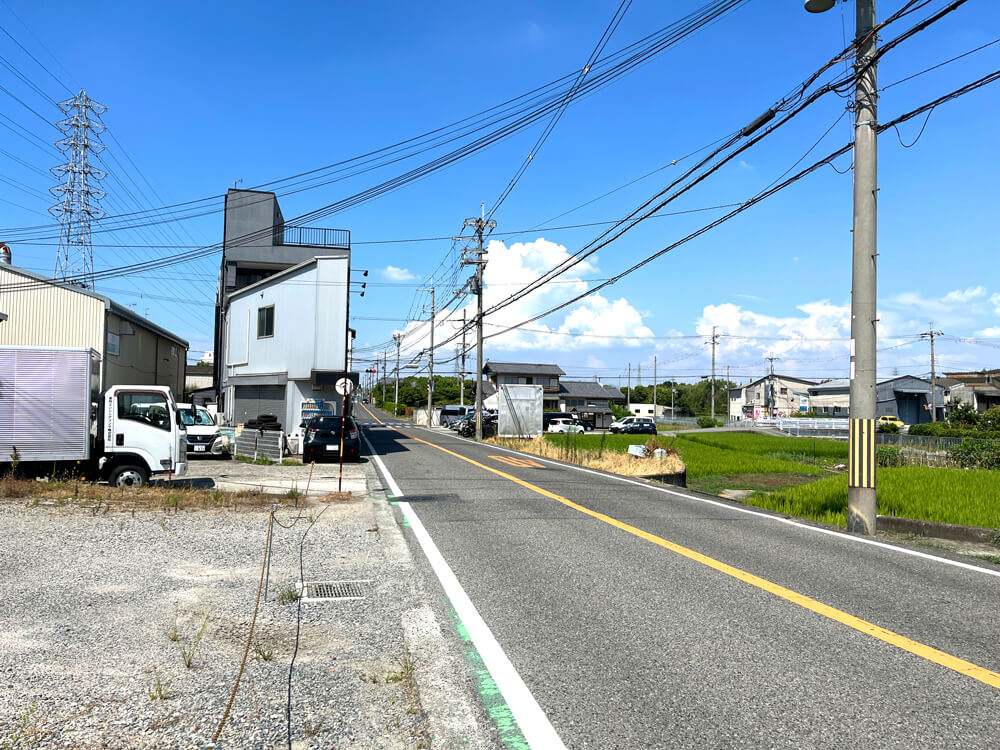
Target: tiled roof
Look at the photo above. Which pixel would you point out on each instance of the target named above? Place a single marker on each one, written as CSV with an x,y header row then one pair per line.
x,y
521,368
588,389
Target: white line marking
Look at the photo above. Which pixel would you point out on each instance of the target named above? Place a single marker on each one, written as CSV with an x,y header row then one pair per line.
x,y
530,717
798,524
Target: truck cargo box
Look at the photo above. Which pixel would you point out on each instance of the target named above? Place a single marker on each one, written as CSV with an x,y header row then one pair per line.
x,y
45,403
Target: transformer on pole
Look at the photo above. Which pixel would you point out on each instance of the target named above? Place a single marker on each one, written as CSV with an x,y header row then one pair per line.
x,y
77,191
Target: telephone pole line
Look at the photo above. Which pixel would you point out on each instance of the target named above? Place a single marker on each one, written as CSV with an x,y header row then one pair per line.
x,y
461,375
430,358
478,259
398,338
930,334
715,342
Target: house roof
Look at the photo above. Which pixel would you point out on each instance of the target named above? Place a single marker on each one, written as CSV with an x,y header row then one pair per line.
x,y
841,383
109,304
521,368
778,376
588,389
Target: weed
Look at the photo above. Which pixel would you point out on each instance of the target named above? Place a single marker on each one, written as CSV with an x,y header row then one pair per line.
x,y
173,500
372,530
293,493
288,595
372,678
995,559
188,649
172,633
291,462
24,733
405,673
163,522
160,690
260,652
312,727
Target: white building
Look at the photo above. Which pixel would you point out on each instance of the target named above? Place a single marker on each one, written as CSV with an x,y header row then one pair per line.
x,y
770,396
285,339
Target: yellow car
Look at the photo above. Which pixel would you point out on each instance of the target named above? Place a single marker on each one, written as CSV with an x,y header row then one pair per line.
x,y
886,419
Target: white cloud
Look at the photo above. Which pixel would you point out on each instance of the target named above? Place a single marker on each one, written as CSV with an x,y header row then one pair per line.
x,y
397,274
993,332
952,303
747,165
964,296
995,300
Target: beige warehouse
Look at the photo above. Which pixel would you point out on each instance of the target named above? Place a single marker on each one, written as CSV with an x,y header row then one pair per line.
x,y
44,312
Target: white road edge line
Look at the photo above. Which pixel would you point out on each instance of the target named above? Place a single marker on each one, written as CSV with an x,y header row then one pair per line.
x,y
829,532
530,717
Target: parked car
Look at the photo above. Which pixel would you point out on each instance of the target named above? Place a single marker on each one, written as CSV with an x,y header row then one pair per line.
x,y
639,426
618,424
890,419
451,412
321,440
564,426
456,423
203,435
586,424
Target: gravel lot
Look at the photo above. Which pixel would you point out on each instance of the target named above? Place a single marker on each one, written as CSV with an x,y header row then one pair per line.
x,y
90,602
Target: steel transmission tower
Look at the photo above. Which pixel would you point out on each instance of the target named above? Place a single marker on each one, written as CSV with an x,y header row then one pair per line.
x,y
77,192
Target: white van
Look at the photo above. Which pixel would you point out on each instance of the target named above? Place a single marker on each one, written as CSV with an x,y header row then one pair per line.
x,y
203,435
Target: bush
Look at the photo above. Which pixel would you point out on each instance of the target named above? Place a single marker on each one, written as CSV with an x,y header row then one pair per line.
x,y
942,429
976,454
706,422
889,428
888,455
964,417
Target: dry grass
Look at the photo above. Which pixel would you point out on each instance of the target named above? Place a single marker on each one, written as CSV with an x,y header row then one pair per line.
x,y
615,463
99,498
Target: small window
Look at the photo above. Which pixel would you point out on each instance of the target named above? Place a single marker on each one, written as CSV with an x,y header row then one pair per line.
x,y
784,391
148,408
265,322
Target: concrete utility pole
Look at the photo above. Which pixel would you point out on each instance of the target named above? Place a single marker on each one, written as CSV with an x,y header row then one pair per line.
x,y
480,225
930,334
384,356
861,464
461,375
629,399
430,358
654,386
673,390
715,341
398,338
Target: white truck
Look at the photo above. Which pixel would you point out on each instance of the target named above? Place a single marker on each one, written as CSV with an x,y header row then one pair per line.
x,y
53,419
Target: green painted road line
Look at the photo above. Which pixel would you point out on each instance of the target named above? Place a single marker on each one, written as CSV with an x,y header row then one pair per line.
x,y
497,708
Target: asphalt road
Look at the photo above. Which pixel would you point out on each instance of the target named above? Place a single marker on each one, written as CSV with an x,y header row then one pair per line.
x,y
643,618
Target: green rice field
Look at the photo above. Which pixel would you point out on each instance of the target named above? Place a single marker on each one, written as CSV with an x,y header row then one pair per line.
x,y
931,494
704,459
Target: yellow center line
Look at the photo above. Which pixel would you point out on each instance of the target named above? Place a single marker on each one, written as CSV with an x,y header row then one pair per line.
x,y
924,651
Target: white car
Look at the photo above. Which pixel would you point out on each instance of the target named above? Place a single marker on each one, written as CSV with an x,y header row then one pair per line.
x,y
203,435
564,425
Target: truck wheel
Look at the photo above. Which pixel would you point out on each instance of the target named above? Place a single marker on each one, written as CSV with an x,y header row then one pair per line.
x,y
128,475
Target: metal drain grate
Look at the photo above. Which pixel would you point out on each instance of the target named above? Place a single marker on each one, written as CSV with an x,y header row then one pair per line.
x,y
340,590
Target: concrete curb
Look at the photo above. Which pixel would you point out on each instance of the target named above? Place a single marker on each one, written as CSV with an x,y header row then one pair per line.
x,y
951,531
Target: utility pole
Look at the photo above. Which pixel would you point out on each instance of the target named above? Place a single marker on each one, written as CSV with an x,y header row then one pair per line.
x,y
715,341
771,358
729,387
654,386
672,391
398,338
461,375
480,225
930,334
629,399
861,466
430,359
384,356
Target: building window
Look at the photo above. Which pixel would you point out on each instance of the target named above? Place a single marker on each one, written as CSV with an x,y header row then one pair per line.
x,y
265,322
784,391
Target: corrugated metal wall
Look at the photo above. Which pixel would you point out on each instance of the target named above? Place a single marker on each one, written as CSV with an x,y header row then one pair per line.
x,y
44,404
48,315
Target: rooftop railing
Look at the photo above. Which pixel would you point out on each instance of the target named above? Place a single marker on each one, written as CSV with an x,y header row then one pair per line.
x,y
313,237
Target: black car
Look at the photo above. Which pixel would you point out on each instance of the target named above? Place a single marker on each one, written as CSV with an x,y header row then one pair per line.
x,y
638,428
321,440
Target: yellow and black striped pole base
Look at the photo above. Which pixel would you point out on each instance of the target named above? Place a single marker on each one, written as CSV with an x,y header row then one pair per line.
x,y
861,458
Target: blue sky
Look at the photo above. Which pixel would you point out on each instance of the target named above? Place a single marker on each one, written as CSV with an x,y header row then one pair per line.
x,y
202,95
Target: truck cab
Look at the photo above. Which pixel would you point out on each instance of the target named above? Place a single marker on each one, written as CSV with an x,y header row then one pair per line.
x,y
143,434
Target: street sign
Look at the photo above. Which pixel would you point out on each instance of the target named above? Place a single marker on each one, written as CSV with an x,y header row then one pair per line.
x,y
344,386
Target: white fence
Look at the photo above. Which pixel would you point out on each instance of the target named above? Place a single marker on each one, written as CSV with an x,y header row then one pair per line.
x,y
809,427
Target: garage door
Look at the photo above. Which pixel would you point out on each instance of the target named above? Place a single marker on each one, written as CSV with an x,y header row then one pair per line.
x,y
909,410
250,401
